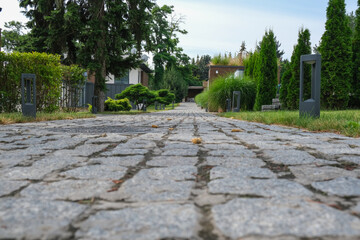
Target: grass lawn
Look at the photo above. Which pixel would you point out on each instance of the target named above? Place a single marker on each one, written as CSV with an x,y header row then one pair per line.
x,y
345,122
9,118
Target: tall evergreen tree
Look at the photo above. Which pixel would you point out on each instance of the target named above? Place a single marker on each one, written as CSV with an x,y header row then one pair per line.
x,y
336,54
355,85
266,71
302,47
285,80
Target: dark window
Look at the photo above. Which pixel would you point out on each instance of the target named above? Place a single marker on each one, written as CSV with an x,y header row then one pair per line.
x,y
123,79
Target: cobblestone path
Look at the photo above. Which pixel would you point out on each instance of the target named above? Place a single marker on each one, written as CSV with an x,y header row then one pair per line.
x,y
117,177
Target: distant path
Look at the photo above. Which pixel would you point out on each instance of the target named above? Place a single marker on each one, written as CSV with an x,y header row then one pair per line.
x,y
117,177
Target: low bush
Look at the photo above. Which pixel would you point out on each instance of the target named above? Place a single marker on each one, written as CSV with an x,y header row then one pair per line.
x,y
164,96
117,105
137,93
223,87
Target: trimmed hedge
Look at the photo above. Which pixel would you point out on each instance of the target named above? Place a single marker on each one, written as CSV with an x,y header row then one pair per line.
x,y
117,105
47,69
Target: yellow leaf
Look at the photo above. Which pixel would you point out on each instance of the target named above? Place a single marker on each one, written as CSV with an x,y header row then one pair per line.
x,y
196,140
154,126
171,129
236,130
169,119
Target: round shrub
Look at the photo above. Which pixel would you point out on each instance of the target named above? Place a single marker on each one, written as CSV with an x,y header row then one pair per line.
x,y
117,105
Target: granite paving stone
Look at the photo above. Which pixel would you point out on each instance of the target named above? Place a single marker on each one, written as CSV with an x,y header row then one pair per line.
x,y
24,218
117,177
282,217
308,174
98,172
258,187
149,222
342,186
73,190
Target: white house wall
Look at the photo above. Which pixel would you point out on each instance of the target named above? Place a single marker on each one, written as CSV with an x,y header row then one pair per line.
x,y
134,77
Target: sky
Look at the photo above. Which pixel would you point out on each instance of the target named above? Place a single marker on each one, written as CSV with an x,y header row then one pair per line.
x,y
216,26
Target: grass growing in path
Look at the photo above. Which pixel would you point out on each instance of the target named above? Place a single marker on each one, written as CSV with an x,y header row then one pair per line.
x,y
345,122
9,118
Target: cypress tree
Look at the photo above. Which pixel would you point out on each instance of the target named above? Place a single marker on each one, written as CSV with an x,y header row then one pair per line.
x,y
266,71
285,80
303,47
355,86
336,54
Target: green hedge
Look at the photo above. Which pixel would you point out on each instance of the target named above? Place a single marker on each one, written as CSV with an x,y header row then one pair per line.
x,y
117,105
47,69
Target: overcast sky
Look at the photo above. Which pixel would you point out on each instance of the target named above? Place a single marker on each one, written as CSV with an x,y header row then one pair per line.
x,y
220,26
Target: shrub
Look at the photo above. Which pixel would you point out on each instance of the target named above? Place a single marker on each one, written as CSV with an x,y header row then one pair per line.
x,y
223,87
174,81
47,69
203,98
117,105
164,96
137,93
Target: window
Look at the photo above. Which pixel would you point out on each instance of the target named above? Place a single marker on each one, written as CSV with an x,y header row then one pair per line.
x,y
123,79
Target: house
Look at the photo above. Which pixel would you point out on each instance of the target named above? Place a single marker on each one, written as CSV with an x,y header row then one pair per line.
x,y
221,70
133,76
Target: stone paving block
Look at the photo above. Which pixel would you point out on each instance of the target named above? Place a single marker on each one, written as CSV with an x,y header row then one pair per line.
x,y
241,172
282,217
108,138
126,161
166,161
294,157
123,150
240,152
234,162
98,172
175,173
258,187
41,168
308,174
149,222
8,186
84,150
182,137
342,186
180,145
180,152
357,208
13,158
22,218
139,144
72,190
349,158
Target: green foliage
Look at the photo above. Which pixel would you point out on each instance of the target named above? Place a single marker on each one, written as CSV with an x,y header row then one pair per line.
x,y
250,64
355,84
266,71
203,98
226,60
201,69
90,108
222,88
164,96
117,105
13,38
285,81
73,81
336,54
47,69
137,93
293,89
174,81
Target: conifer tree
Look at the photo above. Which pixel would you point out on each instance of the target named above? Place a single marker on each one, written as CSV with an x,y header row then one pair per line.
x,y
355,86
285,80
266,71
303,47
336,54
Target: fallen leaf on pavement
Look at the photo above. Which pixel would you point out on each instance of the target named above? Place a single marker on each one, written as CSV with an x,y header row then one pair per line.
x,y
113,190
169,119
171,129
236,130
154,126
117,181
196,140
103,135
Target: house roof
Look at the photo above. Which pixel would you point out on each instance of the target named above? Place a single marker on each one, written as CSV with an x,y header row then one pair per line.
x,y
145,68
196,87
